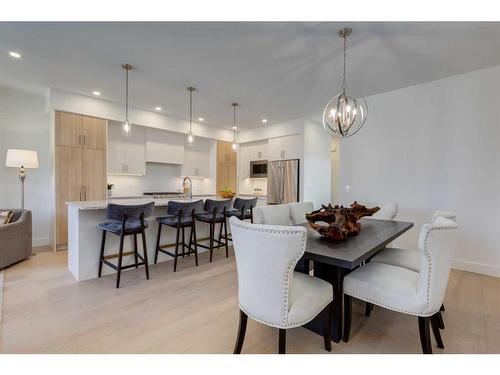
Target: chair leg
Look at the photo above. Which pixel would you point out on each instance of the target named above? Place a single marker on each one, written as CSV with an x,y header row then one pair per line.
x,y
145,254
225,238
157,243
435,330
212,230
120,257
327,333
193,229
183,242
101,256
439,318
282,341
135,251
442,307
238,345
176,247
190,241
425,334
348,316
368,308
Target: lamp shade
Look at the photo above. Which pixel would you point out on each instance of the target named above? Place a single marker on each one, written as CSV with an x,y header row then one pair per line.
x,y
21,158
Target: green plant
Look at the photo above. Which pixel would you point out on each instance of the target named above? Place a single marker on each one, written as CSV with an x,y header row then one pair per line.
x,y
110,186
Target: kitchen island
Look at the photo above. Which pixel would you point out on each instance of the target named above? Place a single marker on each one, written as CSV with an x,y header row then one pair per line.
x,y
84,237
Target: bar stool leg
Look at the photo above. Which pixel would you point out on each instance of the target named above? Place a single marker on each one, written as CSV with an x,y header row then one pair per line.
x,y
225,238
193,229
183,242
176,247
157,243
220,235
212,225
145,253
135,251
101,256
190,241
120,257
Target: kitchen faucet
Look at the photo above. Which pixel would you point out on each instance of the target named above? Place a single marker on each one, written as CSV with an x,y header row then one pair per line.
x,y
187,178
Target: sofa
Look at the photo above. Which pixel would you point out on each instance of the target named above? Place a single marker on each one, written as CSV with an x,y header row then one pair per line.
x,y
15,238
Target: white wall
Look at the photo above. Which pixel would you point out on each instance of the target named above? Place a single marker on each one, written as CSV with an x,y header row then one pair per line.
x,y
434,146
24,123
317,167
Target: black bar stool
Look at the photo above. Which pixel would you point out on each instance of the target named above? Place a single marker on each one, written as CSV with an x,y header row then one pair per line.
x,y
243,210
180,215
215,212
127,220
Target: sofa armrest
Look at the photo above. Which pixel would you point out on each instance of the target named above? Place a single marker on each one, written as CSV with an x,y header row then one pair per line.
x,y
16,240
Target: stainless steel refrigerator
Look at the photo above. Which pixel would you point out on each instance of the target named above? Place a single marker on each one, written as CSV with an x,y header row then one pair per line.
x,y
283,181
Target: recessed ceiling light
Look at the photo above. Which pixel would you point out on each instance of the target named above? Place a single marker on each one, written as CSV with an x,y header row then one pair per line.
x,y
96,93
200,119
15,55
235,127
264,120
158,108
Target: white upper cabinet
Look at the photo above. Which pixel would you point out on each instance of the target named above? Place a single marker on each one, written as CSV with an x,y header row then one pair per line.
x,y
287,147
126,155
251,152
164,147
197,158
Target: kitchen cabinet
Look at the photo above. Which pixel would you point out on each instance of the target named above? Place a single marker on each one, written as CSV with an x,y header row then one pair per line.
x,y
80,165
250,152
226,167
164,147
75,130
126,155
287,147
197,158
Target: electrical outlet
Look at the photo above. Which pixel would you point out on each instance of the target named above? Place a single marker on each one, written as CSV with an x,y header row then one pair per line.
x,y
348,188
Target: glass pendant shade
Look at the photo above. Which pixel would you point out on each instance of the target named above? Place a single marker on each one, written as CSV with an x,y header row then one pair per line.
x,y
127,128
344,115
190,138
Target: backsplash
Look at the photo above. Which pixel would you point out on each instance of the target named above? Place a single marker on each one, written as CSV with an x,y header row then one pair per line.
x,y
158,177
247,185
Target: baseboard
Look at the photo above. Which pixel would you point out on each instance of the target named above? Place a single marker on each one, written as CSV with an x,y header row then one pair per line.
x,y
39,242
484,269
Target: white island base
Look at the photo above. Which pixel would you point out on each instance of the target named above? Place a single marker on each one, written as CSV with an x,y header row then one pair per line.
x,y
84,237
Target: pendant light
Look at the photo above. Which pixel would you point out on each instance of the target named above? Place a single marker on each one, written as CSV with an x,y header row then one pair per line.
x,y
234,145
345,114
127,126
190,137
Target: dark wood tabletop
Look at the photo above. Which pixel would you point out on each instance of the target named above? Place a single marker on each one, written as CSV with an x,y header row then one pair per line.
x,y
374,236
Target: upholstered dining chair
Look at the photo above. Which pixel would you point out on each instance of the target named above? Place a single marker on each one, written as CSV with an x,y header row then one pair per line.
x,y
278,214
298,211
399,289
386,212
407,258
269,291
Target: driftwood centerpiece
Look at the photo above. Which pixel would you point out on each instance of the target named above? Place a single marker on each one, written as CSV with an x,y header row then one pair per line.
x,y
339,222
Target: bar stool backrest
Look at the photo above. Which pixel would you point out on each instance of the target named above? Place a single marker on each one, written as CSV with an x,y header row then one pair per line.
x,y
119,211
174,207
217,205
244,204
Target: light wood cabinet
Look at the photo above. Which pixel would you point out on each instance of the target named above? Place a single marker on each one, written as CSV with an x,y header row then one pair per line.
x,y
68,187
126,155
80,160
226,167
94,133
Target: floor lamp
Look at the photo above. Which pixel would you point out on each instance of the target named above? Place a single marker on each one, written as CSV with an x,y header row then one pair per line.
x,y
21,159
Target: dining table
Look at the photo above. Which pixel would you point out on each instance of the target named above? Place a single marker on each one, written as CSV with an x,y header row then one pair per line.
x,y
332,260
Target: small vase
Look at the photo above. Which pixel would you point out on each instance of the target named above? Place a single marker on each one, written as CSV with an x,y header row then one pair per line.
x,y
109,193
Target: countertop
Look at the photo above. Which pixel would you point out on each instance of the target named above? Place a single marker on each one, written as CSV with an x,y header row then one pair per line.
x,y
101,205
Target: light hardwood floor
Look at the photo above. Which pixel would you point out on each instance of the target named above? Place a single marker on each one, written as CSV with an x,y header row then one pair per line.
x,y
195,311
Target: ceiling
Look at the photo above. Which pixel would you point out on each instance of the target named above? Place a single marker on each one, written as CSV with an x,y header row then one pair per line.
x,y
275,70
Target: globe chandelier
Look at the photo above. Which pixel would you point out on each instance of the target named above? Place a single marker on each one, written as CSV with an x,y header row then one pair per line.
x,y
346,113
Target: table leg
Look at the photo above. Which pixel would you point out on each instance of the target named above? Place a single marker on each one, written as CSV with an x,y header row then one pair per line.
x,y
335,276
